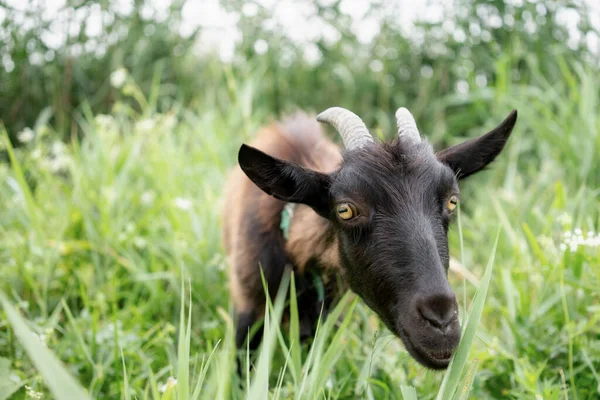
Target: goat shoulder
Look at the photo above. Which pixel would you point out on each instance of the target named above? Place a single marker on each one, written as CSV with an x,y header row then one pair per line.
x,y
251,218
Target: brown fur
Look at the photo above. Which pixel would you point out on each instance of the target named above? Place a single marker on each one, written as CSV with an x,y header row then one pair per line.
x,y
309,238
251,218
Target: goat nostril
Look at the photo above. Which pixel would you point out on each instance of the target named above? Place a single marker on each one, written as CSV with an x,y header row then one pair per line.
x,y
439,310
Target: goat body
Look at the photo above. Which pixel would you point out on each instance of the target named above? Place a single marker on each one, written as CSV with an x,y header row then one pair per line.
x,y
251,227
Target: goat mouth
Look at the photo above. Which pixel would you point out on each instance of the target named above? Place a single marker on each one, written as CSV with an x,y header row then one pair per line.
x,y
443,355
434,359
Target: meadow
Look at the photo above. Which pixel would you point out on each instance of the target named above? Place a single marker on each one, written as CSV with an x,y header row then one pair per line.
x,y
105,239
113,277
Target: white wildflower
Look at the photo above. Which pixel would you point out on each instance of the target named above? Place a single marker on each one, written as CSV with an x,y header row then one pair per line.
x,y
573,247
105,123
145,125
103,119
58,148
546,242
60,163
36,154
329,384
563,247
32,394
171,383
169,121
139,242
26,135
183,204
147,198
118,78
58,160
107,333
43,338
574,240
564,219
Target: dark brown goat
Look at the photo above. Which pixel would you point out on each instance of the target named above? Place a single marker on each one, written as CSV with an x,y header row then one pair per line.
x,y
374,219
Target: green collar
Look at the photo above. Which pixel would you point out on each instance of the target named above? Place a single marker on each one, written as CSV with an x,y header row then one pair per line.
x,y
286,219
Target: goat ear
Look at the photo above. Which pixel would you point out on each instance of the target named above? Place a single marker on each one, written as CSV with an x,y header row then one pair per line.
x,y
475,154
285,180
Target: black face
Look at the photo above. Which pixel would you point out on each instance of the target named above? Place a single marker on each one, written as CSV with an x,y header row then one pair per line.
x,y
391,205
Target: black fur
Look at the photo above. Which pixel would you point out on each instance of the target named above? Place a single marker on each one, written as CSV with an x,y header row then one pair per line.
x,y
284,180
394,254
245,321
473,155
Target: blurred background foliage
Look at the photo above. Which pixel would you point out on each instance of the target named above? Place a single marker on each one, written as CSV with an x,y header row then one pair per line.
x,y
442,67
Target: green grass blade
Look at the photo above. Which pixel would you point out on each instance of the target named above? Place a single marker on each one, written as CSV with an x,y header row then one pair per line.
x,y
62,385
202,375
77,332
170,393
153,384
335,349
468,381
408,392
260,383
20,177
7,387
451,379
6,392
462,256
225,361
294,335
280,378
318,365
183,348
127,395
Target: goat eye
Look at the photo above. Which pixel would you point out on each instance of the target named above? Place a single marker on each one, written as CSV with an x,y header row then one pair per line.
x,y
452,202
346,211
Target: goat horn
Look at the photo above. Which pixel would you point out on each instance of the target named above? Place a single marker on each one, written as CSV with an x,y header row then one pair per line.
x,y
407,127
353,130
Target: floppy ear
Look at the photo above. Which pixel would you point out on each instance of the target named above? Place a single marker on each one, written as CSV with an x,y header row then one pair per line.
x,y
473,155
285,180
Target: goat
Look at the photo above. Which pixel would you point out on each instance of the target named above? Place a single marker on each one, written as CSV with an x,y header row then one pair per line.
x,y
373,219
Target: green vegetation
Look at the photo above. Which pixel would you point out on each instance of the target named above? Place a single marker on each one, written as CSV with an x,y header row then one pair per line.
x,y
110,240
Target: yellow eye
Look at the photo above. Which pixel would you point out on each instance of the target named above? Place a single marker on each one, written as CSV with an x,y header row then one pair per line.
x,y
346,211
452,203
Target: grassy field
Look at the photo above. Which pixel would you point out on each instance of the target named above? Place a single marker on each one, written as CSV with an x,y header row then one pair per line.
x,y
107,243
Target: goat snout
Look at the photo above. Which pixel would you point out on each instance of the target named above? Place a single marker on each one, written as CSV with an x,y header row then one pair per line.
x,y
439,310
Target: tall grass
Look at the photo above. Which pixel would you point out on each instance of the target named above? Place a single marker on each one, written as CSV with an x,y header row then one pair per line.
x,y
309,379
99,237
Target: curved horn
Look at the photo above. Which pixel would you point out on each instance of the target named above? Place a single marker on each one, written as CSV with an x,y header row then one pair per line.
x,y
407,127
353,130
